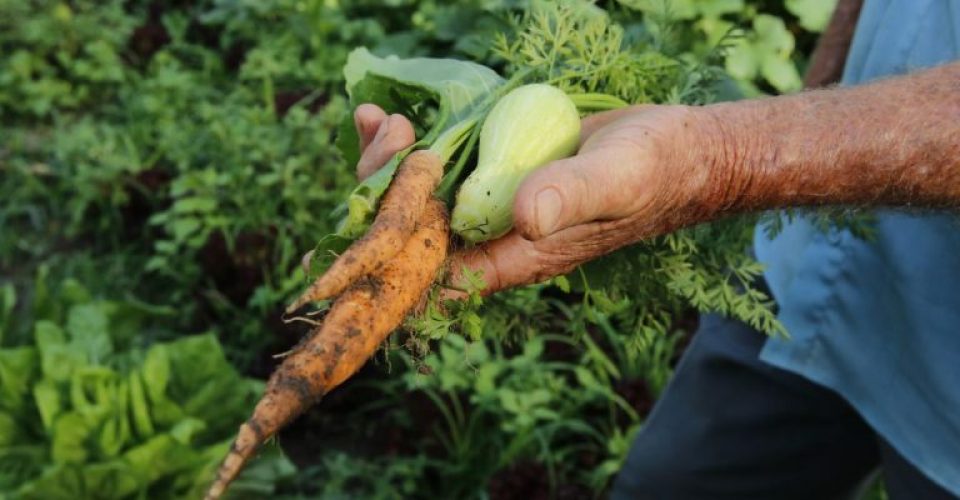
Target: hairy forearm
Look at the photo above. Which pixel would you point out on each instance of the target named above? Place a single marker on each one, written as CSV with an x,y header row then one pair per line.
x,y
891,143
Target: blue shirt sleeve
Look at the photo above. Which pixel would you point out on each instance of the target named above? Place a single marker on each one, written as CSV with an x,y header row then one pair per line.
x,y
877,321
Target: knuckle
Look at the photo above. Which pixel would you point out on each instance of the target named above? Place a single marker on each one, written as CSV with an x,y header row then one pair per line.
x,y
552,259
491,271
576,198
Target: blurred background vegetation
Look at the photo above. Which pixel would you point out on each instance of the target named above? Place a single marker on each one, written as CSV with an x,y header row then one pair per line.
x,y
164,165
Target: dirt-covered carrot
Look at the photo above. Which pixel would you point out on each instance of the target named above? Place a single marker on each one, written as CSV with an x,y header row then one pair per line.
x,y
359,320
400,209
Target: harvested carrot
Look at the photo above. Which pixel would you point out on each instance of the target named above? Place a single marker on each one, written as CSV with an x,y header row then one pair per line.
x,y
400,209
359,320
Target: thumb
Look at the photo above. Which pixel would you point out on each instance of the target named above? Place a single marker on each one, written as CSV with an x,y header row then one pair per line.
x,y
595,185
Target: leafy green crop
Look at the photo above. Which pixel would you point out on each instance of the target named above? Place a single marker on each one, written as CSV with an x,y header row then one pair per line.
x,y
188,164
86,413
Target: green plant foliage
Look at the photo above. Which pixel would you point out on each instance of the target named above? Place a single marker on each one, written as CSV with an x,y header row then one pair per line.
x,y
8,299
60,56
813,15
197,165
761,37
766,54
179,157
86,414
498,406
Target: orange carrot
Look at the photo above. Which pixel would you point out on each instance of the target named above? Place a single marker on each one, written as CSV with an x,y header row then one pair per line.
x,y
359,320
396,220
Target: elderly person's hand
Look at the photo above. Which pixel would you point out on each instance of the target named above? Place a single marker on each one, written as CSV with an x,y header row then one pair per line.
x,y
637,175
647,170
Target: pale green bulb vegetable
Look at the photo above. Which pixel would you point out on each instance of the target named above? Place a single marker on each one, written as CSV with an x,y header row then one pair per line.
x,y
528,128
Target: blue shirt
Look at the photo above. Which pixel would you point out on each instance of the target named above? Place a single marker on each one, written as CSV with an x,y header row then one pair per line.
x,y
879,322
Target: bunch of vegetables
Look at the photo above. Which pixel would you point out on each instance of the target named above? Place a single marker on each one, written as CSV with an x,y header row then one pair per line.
x,y
481,134
378,280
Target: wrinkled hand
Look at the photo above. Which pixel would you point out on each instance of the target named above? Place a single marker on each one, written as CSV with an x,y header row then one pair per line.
x,y
639,173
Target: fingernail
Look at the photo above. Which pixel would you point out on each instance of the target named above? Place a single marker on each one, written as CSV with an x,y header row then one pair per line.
x,y
548,205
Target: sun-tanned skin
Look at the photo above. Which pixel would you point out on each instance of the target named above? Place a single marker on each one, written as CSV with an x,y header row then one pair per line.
x,y
895,142
647,170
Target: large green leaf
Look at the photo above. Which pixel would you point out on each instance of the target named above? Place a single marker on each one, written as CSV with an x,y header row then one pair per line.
x,y
19,368
56,483
139,408
9,430
47,397
89,328
206,386
58,358
159,456
112,479
156,369
456,85
71,436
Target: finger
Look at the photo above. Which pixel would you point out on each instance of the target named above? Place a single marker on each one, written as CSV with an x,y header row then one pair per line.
x,y
367,118
491,261
595,122
394,134
601,184
515,261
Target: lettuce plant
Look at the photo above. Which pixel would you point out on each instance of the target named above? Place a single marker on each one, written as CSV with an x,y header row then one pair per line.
x,y
85,412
